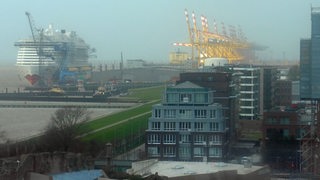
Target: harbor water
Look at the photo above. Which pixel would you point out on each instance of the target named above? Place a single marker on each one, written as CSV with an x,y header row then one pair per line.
x,y
21,123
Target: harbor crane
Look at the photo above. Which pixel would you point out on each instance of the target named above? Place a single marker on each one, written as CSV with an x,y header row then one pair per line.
x,y
208,44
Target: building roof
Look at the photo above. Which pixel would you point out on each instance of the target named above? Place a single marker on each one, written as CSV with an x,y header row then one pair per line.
x,y
187,84
180,168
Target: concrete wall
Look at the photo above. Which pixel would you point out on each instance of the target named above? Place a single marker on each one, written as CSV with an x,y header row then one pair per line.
x,y
37,176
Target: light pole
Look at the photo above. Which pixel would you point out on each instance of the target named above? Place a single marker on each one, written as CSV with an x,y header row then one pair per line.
x,y
17,169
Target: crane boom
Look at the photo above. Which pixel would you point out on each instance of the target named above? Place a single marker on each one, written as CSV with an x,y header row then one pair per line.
x,y
32,26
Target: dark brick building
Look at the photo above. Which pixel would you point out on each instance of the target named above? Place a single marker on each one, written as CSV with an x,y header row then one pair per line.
x,y
281,132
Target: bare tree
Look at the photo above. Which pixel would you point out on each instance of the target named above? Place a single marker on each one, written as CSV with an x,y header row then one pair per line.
x,y
62,129
3,137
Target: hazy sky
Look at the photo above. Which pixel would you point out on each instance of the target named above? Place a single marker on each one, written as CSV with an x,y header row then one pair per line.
x,y
145,29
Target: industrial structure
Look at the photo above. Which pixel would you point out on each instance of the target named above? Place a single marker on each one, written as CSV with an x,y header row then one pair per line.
x,y
213,44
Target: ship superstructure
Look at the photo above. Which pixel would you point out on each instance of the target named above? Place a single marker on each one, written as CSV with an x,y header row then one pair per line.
x,y
53,56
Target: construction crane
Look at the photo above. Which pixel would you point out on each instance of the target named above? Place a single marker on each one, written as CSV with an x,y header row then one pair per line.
x,y
32,25
36,33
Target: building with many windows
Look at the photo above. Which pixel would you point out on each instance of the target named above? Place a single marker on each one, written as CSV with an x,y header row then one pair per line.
x,y
186,126
249,99
309,60
224,84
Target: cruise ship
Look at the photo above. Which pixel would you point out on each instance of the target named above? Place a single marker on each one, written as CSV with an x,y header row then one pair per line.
x,y
53,57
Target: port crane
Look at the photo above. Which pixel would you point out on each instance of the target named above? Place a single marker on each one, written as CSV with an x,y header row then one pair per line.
x,y
208,44
37,36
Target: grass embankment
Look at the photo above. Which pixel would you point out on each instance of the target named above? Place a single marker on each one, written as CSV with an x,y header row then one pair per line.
x,y
152,95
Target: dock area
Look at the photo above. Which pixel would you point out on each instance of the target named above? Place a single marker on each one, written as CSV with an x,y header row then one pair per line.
x,y
41,104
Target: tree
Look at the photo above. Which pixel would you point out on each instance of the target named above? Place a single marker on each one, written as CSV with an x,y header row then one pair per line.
x,y
62,129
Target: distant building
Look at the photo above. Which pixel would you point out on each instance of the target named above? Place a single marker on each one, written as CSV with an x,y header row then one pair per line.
x,y
277,89
224,84
135,63
178,58
282,93
310,90
267,80
283,130
249,106
309,60
295,92
187,126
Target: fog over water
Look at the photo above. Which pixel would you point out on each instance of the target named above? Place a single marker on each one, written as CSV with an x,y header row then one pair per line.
x,y
10,79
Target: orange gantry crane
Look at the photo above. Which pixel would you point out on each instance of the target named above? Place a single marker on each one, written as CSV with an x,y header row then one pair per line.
x,y
206,44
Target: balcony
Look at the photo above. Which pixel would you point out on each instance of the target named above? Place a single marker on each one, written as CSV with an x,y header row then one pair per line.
x,y
248,77
247,107
212,143
244,99
243,114
247,84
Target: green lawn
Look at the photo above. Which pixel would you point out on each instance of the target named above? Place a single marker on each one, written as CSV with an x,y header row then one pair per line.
x,y
120,131
151,94
113,118
145,94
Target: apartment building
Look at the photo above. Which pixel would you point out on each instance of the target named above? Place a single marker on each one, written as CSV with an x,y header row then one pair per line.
x,y
187,126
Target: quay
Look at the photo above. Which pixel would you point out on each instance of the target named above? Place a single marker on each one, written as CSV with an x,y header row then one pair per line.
x,y
37,104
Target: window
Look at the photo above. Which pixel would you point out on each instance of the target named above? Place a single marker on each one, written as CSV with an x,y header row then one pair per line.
x,y
169,139
286,133
185,126
169,126
169,113
185,113
169,151
284,121
155,126
199,139
200,113
186,98
200,98
215,139
157,113
154,139
214,126
172,98
271,120
185,138
212,113
184,152
215,152
198,151
198,126
153,151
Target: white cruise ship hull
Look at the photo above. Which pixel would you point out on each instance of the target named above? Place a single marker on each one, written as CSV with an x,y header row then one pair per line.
x,y
37,75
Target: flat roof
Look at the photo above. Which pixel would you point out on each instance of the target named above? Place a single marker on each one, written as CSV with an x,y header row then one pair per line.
x,y
180,168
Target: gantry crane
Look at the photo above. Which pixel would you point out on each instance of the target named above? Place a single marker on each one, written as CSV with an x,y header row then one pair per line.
x,y
212,44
